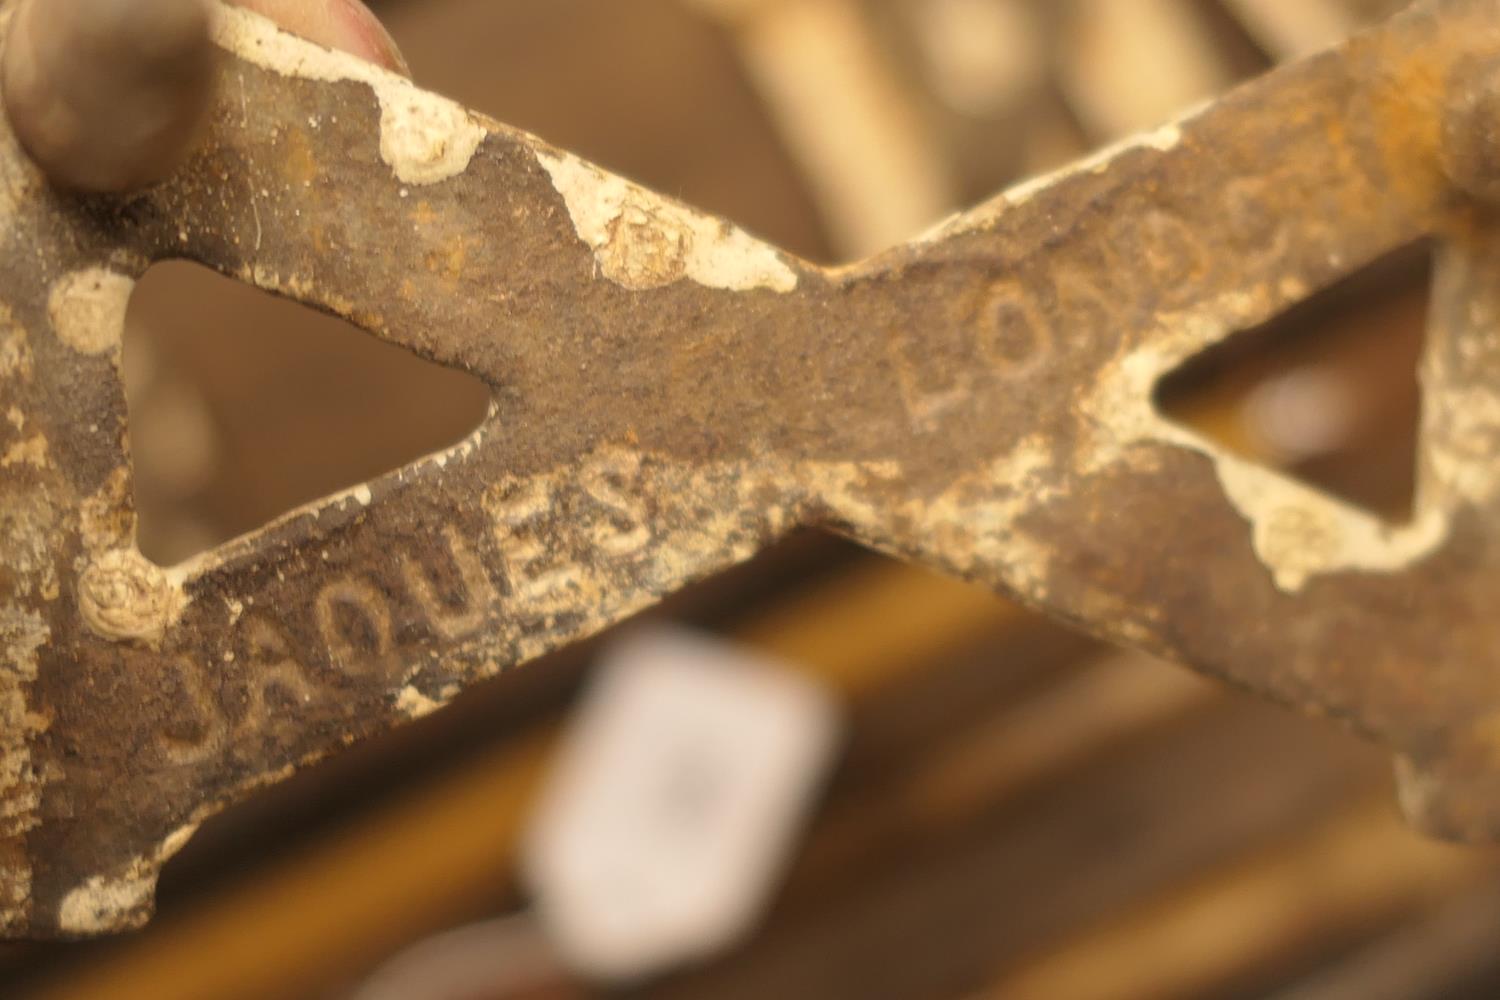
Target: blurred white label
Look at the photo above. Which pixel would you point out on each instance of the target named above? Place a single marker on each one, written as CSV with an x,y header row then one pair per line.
x,y
670,815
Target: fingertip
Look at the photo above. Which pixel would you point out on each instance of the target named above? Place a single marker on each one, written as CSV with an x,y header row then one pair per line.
x,y
347,25
375,41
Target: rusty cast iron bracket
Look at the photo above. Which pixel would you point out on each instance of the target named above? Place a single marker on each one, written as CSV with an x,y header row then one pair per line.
x,y
671,395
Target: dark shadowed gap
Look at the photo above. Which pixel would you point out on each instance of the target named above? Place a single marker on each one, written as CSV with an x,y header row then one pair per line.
x,y
1326,392
244,406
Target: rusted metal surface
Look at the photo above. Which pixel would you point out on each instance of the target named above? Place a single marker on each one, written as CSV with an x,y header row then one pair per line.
x,y
671,395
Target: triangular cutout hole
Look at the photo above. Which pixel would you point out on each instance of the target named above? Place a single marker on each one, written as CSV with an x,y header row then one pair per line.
x,y
244,406
1325,393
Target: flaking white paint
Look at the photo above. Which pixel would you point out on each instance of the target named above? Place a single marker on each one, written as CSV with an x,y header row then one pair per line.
x,y
105,904
31,451
424,138
123,596
1297,532
87,309
115,902
414,704
22,634
642,240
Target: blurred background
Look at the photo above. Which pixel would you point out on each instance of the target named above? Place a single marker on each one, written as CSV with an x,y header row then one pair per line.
x,y
1000,808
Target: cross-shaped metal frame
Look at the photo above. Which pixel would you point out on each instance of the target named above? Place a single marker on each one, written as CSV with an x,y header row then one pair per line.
x,y
671,395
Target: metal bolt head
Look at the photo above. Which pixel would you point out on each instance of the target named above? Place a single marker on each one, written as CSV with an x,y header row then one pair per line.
x,y
107,95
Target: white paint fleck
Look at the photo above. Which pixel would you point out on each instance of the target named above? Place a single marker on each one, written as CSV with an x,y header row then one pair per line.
x,y
124,596
424,138
22,634
103,903
642,240
1297,532
87,309
457,452
116,902
29,527
105,518
32,451
1460,455
15,353
414,704
175,842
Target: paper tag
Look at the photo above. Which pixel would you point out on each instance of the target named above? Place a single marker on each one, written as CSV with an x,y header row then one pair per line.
x,y
671,812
